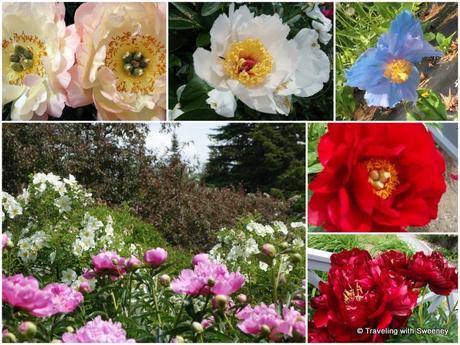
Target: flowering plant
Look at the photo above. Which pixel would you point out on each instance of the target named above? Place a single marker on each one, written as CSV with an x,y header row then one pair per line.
x,y
241,69
376,177
71,277
381,293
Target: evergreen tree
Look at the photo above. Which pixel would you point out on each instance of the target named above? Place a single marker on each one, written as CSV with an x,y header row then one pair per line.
x,y
265,157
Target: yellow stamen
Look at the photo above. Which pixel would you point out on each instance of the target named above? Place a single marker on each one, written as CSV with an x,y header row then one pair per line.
x,y
351,293
248,61
34,46
398,71
151,49
383,177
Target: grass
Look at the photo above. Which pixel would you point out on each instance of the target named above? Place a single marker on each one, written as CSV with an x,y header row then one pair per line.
x,y
373,243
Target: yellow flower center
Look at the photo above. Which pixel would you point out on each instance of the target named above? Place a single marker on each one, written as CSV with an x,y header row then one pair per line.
x,y
398,71
248,61
383,177
138,61
353,293
22,54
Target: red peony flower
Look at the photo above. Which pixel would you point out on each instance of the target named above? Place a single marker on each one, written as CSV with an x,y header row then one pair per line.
x,y
435,271
360,293
395,262
318,335
376,177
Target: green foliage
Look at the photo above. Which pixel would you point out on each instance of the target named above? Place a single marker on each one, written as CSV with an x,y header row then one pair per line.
x,y
259,157
315,132
443,43
429,107
189,27
113,162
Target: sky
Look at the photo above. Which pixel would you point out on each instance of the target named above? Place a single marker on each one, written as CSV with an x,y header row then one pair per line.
x,y
196,134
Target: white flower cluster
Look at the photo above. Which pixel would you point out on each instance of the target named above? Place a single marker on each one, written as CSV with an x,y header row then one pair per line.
x,y
10,206
86,239
30,246
240,246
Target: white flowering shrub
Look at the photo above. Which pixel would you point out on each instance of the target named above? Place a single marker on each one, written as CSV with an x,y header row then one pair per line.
x,y
55,226
242,249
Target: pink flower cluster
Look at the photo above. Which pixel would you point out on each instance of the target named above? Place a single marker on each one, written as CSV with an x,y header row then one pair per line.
x,y
98,331
265,320
207,277
24,293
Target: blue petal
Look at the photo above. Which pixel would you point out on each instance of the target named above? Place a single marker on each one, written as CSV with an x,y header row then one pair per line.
x,y
390,94
367,71
405,39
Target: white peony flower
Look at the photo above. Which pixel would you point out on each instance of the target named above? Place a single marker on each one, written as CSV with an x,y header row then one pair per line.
x,y
38,51
320,23
222,102
252,58
121,60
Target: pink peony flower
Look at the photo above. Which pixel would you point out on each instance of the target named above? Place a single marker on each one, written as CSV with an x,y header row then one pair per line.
x,y
5,240
121,60
98,331
155,257
207,277
85,287
24,293
293,323
199,258
209,322
261,319
109,263
64,299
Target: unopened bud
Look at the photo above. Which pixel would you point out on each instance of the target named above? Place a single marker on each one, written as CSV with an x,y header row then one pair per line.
x,y
197,327
10,338
70,329
27,328
242,298
269,250
211,282
165,280
221,301
296,257
265,330
178,339
284,245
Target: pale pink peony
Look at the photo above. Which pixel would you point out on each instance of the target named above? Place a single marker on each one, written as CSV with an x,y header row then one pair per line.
x,y
24,293
98,331
109,263
5,240
155,257
38,89
207,277
133,263
199,258
108,32
259,320
265,320
64,299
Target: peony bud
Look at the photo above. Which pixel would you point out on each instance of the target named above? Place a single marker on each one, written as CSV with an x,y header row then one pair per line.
x,y
199,258
84,287
10,338
177,339
165,280
242,298
133,263
56,341
269,250
219,302
197,327
211,282
27,328
155,257
296,258
265,330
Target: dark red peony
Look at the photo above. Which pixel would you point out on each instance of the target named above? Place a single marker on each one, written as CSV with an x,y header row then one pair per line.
x,y
360,293
395,262
434,271
376,177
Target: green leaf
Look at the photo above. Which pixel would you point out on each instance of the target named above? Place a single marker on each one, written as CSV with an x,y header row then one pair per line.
x,y
210,8
202,114
174,61
431,105
429,36
315,168
194,95
185,18
203,39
